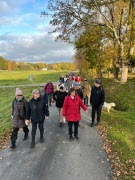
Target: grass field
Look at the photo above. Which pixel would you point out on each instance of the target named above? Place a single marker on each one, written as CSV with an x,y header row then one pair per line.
x,y
119,124
22,77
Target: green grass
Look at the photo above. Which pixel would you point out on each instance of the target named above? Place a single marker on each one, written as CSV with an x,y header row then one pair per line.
x,y
21,77
120,122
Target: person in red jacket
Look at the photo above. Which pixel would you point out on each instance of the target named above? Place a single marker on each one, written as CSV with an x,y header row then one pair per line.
x,y
71,111
78,79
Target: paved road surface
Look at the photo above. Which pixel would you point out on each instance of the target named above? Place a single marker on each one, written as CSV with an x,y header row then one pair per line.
x,y
57,158
25,85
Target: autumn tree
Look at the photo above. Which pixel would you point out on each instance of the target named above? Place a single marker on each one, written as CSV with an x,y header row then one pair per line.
x,y
70,17
3,63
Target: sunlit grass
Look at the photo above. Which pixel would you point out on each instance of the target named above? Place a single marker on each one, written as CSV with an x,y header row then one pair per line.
x,y
120,122
22,77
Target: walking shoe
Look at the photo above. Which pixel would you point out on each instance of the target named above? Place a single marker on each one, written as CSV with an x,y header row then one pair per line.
x,y
41,140
60,125
32,145
97,124
76,138
70,138
12,146
25,137
92,125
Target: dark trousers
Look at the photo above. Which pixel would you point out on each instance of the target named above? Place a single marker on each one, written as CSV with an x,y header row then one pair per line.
x,y
15,133
34,129
86,100
49,98
70,131
96,109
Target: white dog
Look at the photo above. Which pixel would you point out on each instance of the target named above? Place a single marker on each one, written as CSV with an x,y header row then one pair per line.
x,y
108,106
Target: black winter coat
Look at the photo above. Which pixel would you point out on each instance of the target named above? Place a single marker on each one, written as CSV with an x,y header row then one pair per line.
x,y
79,93
37,110
97,96
59,98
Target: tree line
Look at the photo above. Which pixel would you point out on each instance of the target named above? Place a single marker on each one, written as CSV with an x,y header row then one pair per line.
x,y
13,65
102,31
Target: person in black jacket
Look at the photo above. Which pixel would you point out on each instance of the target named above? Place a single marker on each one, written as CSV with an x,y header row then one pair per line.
x,y
59,96
43,95
37,110
97,100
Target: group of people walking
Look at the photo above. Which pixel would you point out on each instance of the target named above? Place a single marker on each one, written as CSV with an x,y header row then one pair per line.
x,y
68,102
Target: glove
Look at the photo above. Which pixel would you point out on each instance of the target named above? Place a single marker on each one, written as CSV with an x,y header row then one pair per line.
x,y
27,122
46,117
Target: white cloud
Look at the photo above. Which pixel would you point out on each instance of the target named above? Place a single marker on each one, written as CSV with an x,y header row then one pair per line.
x,y
24,35
34,48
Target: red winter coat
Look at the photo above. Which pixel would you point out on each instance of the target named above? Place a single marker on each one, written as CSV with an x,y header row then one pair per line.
x,y
71,108
78,79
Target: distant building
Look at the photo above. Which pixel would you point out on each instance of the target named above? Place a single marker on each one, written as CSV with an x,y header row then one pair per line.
x,y
44,69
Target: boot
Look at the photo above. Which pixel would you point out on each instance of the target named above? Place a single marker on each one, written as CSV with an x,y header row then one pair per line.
x,y
12,145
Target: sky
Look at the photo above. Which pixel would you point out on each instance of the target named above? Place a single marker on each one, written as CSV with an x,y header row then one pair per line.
x,y
24,34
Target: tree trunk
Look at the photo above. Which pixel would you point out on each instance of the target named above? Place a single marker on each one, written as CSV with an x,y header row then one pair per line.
x,y
124,73
116,72
100,74
133,70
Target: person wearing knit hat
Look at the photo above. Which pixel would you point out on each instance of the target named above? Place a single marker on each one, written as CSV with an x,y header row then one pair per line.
x,y
76,84
37,111
97,81
18,92
19,105
97,100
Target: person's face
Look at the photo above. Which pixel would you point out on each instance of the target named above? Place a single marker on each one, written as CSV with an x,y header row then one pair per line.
x,y
97,85
76,87
20,96
41,87
72,93
36,95
61,90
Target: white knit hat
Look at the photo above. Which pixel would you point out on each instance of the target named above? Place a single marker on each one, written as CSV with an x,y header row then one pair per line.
x,y
18,92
